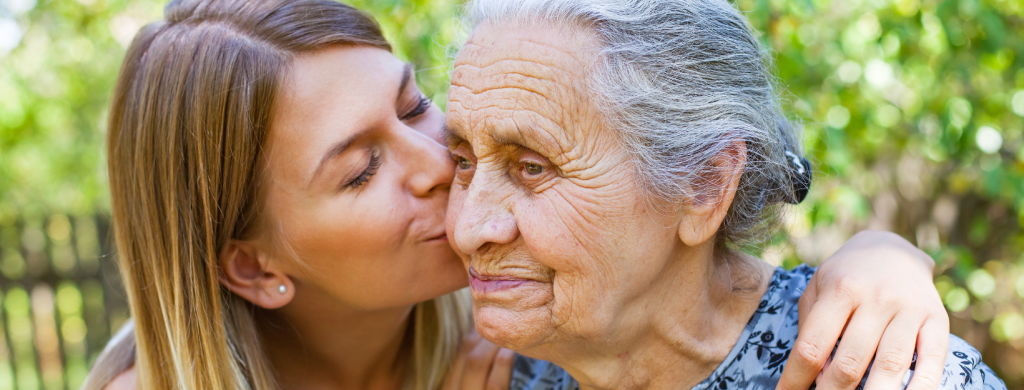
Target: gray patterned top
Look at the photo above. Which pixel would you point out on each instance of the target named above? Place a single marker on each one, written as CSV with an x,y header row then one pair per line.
x,y
757,359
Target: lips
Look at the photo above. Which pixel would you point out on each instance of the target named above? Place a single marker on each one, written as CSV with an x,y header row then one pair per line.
x,y
481,283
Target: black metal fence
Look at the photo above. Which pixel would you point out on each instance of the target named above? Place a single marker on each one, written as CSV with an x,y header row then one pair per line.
x,y
60,299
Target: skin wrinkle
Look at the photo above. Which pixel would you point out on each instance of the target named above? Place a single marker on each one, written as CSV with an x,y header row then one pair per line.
x,y
568,148
471,49
512,72
606,305
524,139
557,159
499,138
536,70
513,87
570,310
564,143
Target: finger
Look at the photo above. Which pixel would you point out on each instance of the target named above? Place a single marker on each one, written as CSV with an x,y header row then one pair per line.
x,y
501,371
818,333
932,346
895,352
807,301
478,365
860,340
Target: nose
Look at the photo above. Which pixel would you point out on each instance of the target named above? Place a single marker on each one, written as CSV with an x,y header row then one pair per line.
x,y
482,219
430,166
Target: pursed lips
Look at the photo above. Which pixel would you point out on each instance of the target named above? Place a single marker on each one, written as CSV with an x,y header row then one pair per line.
x,y
489,283
493,283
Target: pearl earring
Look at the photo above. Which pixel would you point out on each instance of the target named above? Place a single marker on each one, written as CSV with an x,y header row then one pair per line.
x,y
282,289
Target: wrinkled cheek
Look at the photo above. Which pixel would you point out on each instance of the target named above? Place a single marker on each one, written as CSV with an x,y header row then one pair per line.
x,y
577,232
564,241
582,308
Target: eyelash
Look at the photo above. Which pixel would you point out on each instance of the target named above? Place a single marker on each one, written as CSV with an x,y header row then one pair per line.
x,y
375,163
421,107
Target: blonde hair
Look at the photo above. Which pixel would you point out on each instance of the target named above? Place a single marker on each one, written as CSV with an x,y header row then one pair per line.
x,y
188,122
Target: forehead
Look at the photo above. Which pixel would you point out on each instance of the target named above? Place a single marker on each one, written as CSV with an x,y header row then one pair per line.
x,y
327,96
337,82
522,81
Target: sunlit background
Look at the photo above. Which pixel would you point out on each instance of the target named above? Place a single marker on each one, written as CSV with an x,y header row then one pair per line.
x,y
912,114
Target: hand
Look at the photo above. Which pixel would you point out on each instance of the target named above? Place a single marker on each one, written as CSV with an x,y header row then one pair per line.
x,y
480,365
877,291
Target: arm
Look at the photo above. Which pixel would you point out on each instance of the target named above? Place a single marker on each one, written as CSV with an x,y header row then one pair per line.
x,y
876,291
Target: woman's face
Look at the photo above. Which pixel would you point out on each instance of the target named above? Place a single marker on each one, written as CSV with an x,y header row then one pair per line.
x,y
358,183
544,203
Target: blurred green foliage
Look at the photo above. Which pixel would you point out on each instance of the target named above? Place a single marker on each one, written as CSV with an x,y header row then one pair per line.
x,y
913,114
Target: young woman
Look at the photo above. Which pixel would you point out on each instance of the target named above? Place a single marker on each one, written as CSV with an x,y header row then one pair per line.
x,y
279,195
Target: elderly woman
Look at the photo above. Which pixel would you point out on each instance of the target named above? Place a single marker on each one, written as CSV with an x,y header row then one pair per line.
x,y
612,157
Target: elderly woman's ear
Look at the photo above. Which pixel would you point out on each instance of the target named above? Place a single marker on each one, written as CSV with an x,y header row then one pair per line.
x,y
705,211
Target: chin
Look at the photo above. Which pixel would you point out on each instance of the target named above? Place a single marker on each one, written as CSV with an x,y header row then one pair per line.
x,y
515,330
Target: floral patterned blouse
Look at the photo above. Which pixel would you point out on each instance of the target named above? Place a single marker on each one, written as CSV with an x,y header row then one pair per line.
x,y
757,359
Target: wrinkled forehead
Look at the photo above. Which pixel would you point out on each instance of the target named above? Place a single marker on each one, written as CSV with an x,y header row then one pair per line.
x,y
514,81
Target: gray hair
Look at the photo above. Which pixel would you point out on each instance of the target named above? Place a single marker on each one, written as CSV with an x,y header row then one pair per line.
x,y
682,81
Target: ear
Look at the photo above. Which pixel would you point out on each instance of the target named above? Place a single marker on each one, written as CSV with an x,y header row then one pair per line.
x,y
707,210
248,274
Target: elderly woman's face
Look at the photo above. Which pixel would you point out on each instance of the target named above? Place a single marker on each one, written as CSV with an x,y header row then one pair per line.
x,y
556,234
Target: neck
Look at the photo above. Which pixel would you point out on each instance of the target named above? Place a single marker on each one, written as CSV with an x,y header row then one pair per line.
x,y
312,345
681,330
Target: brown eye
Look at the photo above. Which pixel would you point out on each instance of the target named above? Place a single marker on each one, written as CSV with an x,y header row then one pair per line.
x,y
464,170
533,169
463,163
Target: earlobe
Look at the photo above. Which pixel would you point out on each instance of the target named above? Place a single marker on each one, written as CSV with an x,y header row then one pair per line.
x,y
248,274
702,217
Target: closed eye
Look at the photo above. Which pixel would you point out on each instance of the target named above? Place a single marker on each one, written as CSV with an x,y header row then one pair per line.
x,y
371,169
421,107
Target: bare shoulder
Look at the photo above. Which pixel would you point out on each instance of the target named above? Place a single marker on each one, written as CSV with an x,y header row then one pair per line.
x,y
114,368
126,380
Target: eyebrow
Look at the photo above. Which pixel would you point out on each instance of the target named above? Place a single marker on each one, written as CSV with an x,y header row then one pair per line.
x,y
343,145
336,150
528,137
451,135
518,138
506,138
